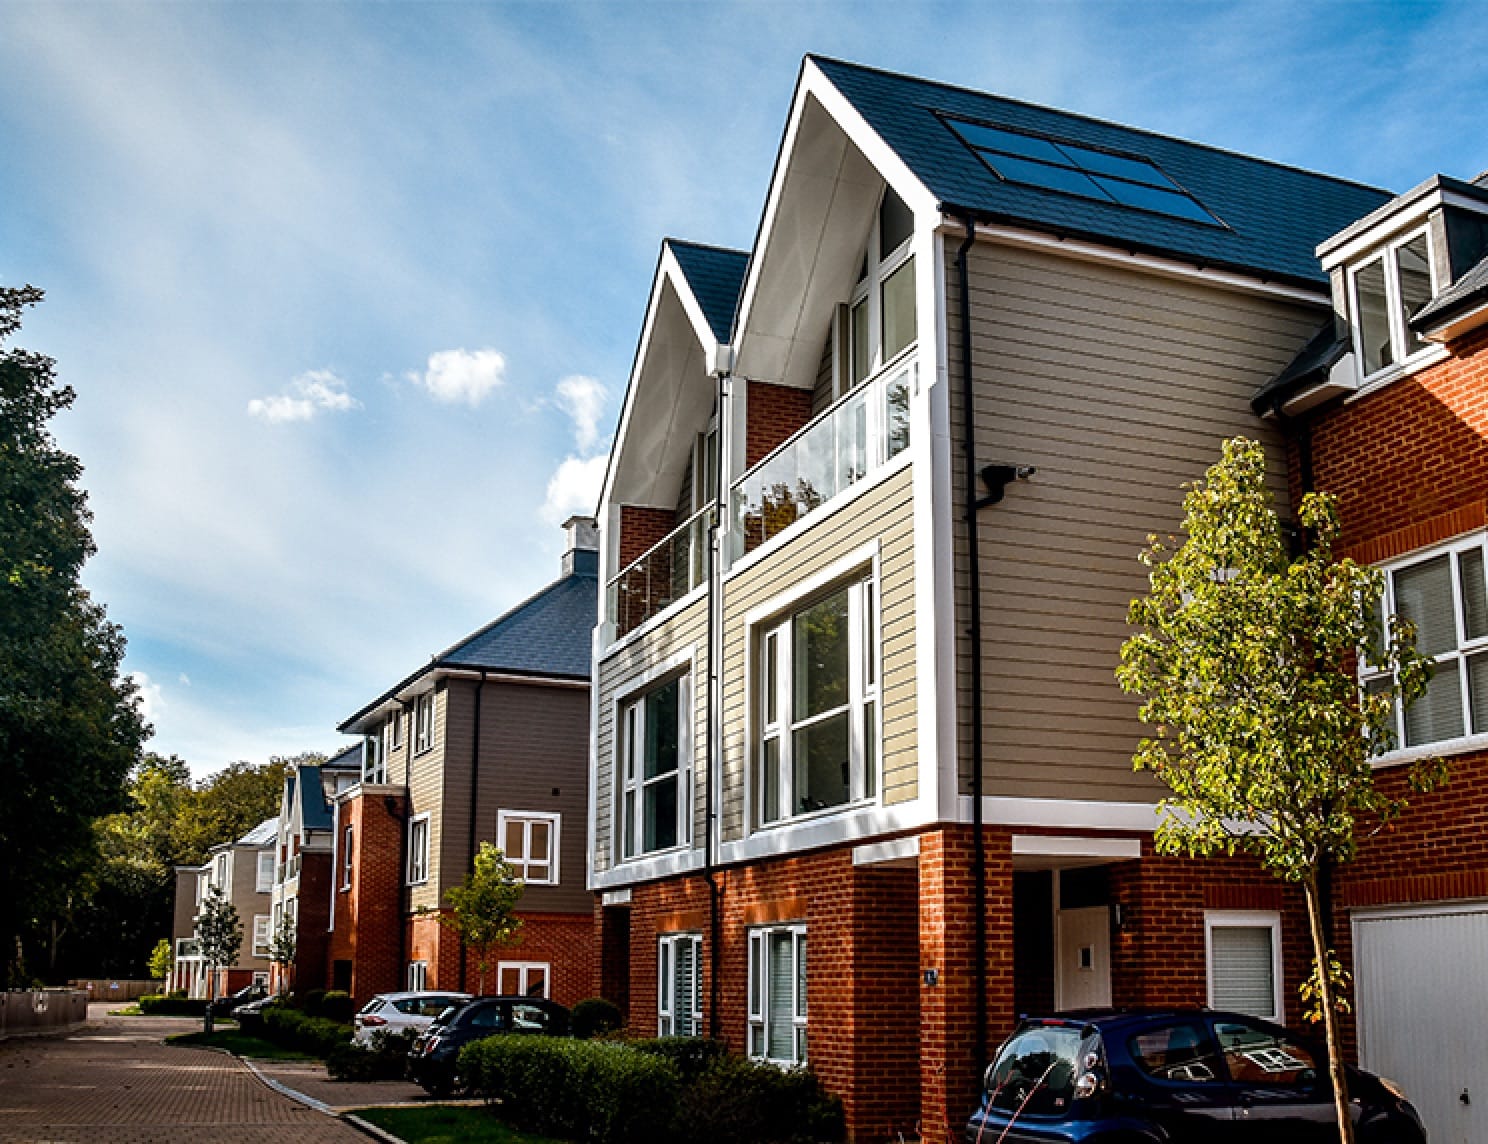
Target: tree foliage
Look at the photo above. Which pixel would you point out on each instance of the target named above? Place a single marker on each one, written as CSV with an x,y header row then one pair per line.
x,y
483,907
1246,660
162,960
70,725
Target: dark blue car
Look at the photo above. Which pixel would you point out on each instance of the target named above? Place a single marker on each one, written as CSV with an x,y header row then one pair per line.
x,y
1167,1077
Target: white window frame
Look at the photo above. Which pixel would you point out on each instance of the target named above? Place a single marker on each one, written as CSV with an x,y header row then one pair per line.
x,y
348,841
374,765
526,819
667,984
263,934
1246,919
417,869
758,989
881,266
417,976
265,880
392,733
630,729
776,722
1387,255
523,970
1466,649
423,723
222,873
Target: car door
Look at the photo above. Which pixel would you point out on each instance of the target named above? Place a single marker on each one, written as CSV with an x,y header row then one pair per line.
x,y
1176,1080
1282,1094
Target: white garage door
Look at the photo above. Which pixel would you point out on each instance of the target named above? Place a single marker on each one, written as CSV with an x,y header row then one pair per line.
x,y
1422,989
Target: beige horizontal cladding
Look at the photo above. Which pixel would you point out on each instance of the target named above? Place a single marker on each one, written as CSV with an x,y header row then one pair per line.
x,y
623,673
426,775
884,514
1118,385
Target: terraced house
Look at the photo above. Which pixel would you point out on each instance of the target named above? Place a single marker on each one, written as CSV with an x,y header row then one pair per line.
x,y
243,870
861,777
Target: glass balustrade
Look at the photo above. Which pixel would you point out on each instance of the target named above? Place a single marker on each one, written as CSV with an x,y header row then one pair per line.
x,y
667,572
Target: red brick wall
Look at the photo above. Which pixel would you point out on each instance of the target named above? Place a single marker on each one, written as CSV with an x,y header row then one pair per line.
x,y
310,965
774,412
564,941
641,529
367,917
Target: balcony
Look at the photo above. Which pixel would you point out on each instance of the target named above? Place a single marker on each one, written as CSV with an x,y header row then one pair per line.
x,y
187,947
667,571
861,433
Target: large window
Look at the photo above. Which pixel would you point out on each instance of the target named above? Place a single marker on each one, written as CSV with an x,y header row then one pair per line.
x,y
655,770
880,321
777,994
523,978
418,849
261,935
1244,962
423,723
1444,595
529,840
374,761
265,871
679,979
1387,290
818,708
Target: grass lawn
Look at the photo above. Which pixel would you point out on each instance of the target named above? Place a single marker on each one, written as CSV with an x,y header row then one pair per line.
x,y
467,1125
240,1043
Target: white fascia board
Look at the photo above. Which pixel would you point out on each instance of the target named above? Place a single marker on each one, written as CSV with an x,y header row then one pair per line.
x,y
935,570
672,269
814,84
895,850
607,486
1389,222
828,829
1454,328
591,821
1076,846
1066,813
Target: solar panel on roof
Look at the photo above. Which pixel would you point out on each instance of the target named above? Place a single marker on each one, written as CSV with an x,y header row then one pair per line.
x,y
1068,168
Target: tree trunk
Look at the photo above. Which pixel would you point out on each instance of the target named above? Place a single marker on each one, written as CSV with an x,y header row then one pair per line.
x,y
211,997
1320,952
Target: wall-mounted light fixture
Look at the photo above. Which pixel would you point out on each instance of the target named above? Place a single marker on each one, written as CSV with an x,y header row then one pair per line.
x,y
998,477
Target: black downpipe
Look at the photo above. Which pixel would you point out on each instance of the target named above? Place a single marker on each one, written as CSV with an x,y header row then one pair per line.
x,y
710,873
974,633
480,689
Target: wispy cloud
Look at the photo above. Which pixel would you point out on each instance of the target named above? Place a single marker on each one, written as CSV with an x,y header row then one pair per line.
x,y
574,488
583,399
308,394
461,375
150,694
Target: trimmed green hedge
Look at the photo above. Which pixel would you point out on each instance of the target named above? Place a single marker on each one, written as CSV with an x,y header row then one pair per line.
x,y
337,1005
296,1030
159,1005
386,1060
594,1017
738,1101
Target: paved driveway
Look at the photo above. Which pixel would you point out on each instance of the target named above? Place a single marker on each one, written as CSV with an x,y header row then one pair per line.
x,y
114,1082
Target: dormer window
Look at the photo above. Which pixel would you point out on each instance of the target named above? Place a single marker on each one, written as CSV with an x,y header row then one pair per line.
x,y
880,319
1386,291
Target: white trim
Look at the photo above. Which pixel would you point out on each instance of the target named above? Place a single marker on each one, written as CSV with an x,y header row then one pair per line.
x,y
1377,227
522,969
667,864
1452,906
998,810
554,820
636,690
615,898
417,744
935,564
1451,329
1246,919
347,835
894,850
850,823
1397,327
259,879
416,976
1076,846
641,631
591,810
861,558
666,983
408,878
757,977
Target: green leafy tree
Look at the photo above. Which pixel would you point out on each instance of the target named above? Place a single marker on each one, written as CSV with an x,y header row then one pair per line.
x,y
1246,661
483,908
228,804
162,960
220,934
70,725
282,948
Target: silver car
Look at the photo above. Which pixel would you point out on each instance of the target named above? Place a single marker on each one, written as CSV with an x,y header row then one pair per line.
x,y
401,1012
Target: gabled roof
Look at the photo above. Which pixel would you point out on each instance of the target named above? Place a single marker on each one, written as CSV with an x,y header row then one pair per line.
x,y
266,833
315,811
1273,216
347,759
716,275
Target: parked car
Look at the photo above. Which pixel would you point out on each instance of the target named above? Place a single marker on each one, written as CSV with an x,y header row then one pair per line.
x,y
230,1001
432,1060
258,1006
1200,1076
400,1012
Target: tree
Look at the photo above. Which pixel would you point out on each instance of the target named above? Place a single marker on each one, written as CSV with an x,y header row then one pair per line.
x,y
162,960
1262,733
220,936
483,908
282,948
70,726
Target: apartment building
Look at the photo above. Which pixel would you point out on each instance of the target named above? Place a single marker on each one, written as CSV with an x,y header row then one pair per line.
x,y
243,870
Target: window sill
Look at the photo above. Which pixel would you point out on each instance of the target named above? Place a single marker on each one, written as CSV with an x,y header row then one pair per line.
x,y
1422,359
817,815
1466,745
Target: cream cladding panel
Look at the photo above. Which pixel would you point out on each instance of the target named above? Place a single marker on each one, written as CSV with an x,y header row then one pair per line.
x,y
884,513
620,674
426,793
1118,386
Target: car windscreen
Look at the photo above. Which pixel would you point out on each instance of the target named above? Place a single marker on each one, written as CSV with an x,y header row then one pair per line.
x,y
1035,1071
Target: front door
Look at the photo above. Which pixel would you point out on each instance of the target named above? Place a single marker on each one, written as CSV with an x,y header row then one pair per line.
x,y
1083,948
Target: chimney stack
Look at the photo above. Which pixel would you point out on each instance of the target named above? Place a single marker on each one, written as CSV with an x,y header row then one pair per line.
x,y
582,555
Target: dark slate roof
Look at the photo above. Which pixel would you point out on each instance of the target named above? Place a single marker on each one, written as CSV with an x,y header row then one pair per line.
x,y
1469,290
1323,351
1275,216
716,276
349,758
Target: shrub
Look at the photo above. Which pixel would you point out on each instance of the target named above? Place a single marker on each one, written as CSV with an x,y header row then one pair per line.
x,y
158,1005
739,1101
337,1005
594,1017
296,1030
690,1056
308,1001
578,1090
385,1060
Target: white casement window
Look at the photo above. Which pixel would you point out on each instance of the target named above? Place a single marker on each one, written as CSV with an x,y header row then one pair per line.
x,y
777,994
261,935
202,881
220,879
523,978
656,769
1384,292
265,881
1445,596
879,323
374,763
348,841
418,849
392,732
529,840
679,980
418,976
423,723
1243,955
818,706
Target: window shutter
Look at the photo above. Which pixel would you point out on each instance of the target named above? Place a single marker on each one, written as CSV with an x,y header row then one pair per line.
x,y
1242,970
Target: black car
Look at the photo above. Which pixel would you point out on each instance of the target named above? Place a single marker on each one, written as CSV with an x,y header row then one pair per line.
x,y
1173,1076
226,1004
432,1060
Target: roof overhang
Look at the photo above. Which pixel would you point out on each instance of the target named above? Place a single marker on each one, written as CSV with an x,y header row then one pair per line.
x,y
1458,322
1400,213
428,678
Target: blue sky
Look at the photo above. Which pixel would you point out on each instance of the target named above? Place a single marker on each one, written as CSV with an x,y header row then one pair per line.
x,y
349,292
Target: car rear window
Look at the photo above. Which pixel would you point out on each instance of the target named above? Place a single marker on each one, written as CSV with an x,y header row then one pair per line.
x,y
373,1005
1259,1056
486,1017
1176,1052
1035,1071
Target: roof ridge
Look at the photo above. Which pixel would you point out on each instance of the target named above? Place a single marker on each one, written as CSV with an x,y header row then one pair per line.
x,y
1099,122
674,241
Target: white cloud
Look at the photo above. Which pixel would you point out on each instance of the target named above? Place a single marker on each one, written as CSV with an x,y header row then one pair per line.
x,y
583,399
151,696
462,375
308,394
574,488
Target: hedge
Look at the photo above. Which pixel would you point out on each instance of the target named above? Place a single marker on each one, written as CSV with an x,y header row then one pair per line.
x,y
594,1017
159,1005
293,1029
740,1101
387,1059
